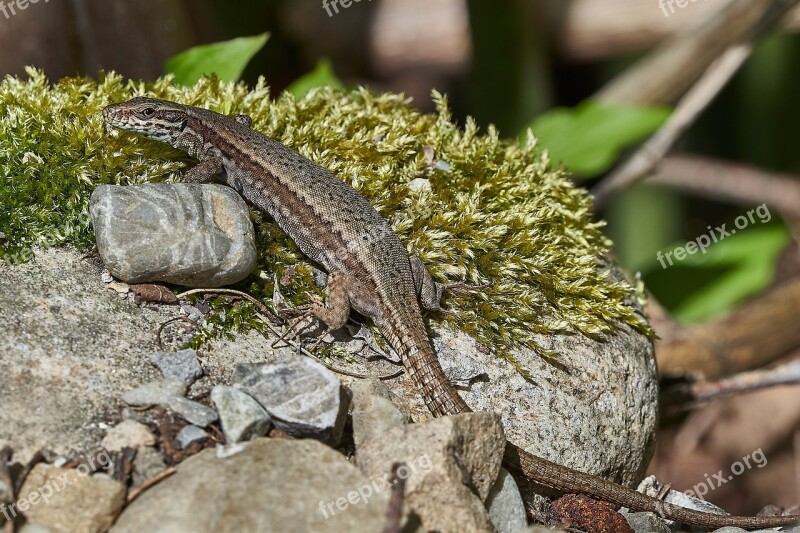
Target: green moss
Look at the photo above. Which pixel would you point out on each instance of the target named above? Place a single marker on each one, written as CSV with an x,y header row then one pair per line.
x,y
496,213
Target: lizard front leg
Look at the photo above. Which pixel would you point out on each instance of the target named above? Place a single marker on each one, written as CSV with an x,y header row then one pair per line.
x,y
210,163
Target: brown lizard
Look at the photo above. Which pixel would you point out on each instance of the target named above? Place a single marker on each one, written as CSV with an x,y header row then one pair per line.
x,y
368,268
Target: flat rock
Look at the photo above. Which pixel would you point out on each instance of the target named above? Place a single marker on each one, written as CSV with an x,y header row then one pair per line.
x,y
373,410
452,463
241,416
182,365
188,234
63,499
304,398
270,485
69,347
128,434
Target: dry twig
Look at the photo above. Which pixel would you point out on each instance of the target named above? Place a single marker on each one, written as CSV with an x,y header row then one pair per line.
x,y
685,396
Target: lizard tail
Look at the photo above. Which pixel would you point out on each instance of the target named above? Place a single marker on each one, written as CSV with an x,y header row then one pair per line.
x,y
423,368
560,478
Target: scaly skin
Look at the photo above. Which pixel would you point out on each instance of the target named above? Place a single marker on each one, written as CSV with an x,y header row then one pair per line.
x,y
369,268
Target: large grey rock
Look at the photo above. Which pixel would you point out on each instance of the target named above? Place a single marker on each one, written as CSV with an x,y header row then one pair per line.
x,y
271,485
188,234
241,416
64,499
69,347
304,398
452,463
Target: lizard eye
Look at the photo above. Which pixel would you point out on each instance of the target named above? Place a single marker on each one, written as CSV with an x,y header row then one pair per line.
x,y
148,111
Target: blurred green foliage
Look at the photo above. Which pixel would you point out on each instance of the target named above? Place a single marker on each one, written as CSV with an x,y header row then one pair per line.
x,y
588,139
226,59
321,76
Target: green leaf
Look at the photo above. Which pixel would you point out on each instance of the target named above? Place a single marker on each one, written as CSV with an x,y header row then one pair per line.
x,y
226,59
321,76
706,286
589,138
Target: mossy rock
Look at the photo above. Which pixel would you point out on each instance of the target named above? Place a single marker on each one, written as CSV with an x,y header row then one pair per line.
x,y
495,213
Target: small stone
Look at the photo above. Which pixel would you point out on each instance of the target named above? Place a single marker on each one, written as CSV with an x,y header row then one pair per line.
x,y
128,434
119,287
148,463
189,435
304,398
419,184
446,493
650,523
506,508
188,234
373,410
64,499
155,393
193,412
169,394
241,416
182,365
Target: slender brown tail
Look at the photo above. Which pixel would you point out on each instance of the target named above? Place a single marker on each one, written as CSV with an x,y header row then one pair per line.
x,y
554,476
442,399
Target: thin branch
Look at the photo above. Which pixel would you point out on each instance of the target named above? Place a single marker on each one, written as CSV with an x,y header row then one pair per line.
x,y
727,181
132,495
685,396
268,321
689,108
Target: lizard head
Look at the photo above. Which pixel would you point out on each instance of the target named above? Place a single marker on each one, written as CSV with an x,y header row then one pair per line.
x,y
156,119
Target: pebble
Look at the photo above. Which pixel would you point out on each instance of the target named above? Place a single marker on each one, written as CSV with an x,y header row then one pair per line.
x,y
189,435
187,234
169,394
182,365
505,505
373,410
242,418
304,398
128,434
434,475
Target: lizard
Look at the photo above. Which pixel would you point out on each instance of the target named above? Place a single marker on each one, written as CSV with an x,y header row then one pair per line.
x,y
368,268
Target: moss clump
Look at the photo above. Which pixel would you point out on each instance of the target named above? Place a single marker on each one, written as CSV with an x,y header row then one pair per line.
x,y
495,212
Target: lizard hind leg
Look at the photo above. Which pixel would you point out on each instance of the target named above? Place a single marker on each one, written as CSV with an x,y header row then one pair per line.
x,y
429,292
